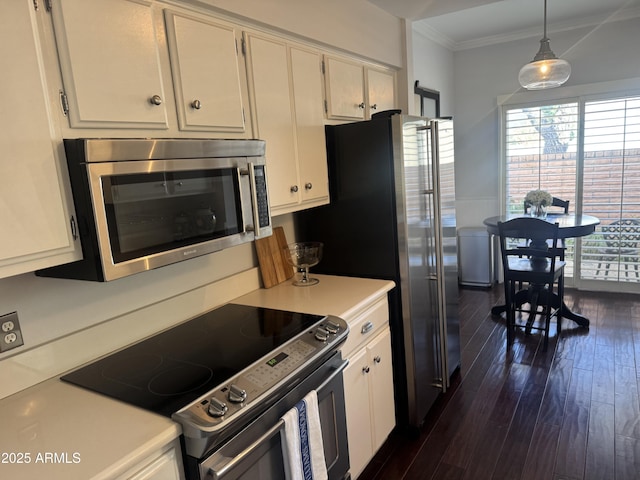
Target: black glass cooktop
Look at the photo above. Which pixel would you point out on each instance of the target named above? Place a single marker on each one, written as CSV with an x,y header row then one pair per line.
x,y
169,370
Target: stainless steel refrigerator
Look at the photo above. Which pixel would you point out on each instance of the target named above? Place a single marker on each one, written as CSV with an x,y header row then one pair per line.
x,y
392,216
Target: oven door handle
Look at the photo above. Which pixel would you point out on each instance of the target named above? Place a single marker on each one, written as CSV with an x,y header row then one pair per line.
x,y
217,475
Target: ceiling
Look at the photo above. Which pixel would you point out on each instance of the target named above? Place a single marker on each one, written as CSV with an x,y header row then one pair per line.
x,y
461,24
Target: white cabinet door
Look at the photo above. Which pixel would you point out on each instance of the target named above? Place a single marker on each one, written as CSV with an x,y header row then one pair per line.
x,y
273,116
162,465
206,74
35,210
286,86
357,407
344,89
381,91
309,118
381,388
110,64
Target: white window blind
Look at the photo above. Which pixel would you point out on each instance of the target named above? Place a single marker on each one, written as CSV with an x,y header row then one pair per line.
x,y
611,189
541,152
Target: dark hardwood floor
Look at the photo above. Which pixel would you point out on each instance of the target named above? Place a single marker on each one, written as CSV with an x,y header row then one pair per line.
x,y
569,413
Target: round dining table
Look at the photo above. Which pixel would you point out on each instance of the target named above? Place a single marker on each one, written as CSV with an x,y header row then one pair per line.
x,y
569,226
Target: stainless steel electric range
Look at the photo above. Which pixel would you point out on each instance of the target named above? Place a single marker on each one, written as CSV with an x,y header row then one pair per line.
x,y
228,376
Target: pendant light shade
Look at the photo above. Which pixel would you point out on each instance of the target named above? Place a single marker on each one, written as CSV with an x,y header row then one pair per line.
x,y
545,70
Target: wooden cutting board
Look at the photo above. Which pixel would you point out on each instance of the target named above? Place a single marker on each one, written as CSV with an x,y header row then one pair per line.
x,y
273,263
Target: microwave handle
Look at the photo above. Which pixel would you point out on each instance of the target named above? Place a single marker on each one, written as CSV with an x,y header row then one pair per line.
x,y
255,204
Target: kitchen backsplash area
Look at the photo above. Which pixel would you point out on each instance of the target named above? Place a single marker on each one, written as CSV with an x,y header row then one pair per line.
x,y
67,322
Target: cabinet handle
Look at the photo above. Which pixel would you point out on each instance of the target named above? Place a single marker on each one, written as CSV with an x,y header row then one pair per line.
x,y
366,328
294,188
365,369
156,100
196,104
361,105
374,106
74,228
377,359
308,186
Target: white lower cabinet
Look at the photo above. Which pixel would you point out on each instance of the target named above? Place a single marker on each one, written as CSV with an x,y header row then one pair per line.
x,y
368,384
166,465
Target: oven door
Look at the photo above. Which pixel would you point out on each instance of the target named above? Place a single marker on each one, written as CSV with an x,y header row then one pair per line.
x,y
256,452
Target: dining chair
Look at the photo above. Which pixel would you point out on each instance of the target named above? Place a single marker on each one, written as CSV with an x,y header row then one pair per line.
x,y
563,205
622,239
529,263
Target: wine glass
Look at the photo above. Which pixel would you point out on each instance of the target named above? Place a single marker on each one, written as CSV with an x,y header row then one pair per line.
x,y
303,255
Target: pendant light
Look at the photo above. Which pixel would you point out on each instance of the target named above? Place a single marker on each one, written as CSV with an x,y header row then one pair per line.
x,y
545,70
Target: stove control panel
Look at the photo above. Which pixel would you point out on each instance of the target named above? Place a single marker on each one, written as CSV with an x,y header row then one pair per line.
x,y
213,411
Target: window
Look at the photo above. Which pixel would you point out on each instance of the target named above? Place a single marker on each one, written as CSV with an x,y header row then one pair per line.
x,y
587,152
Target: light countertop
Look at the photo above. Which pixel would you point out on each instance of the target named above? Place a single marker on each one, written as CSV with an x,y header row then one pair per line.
x,y
69,432
344,297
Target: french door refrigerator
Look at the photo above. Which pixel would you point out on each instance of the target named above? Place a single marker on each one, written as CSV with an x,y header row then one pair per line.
x,y
392,216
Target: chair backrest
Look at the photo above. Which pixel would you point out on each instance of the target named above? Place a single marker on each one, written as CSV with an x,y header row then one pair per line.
x,y
555,202
529,237
558,202
623,233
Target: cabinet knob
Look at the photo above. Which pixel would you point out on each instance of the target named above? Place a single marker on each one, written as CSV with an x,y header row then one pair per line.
x,y
374,106
294,188
365,369
361,105
366,328
156,100
308,186
377,359
196,104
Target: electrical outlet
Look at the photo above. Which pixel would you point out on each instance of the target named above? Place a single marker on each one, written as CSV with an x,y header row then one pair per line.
x,y
10,336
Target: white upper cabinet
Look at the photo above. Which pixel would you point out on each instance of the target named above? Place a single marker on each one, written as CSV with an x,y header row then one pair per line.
x,y
355,91
110,64
35,211
381,90
313,175
209,81
344,89
285,83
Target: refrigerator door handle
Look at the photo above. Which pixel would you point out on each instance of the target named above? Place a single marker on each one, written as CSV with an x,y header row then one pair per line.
x,y
438,381
441,317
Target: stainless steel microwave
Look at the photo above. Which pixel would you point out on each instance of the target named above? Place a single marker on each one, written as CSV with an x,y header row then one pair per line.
x,y
144,204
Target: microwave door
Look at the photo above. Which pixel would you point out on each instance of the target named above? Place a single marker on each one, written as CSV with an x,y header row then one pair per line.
x,y
147,219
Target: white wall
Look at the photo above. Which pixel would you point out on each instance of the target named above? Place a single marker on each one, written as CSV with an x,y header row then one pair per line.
x,y
433,68
606,53
49,309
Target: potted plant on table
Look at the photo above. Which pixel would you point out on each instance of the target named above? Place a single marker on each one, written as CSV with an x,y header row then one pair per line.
x,y
539,200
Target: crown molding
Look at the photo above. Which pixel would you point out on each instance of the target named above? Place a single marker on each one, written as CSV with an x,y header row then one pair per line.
x,y
426,30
